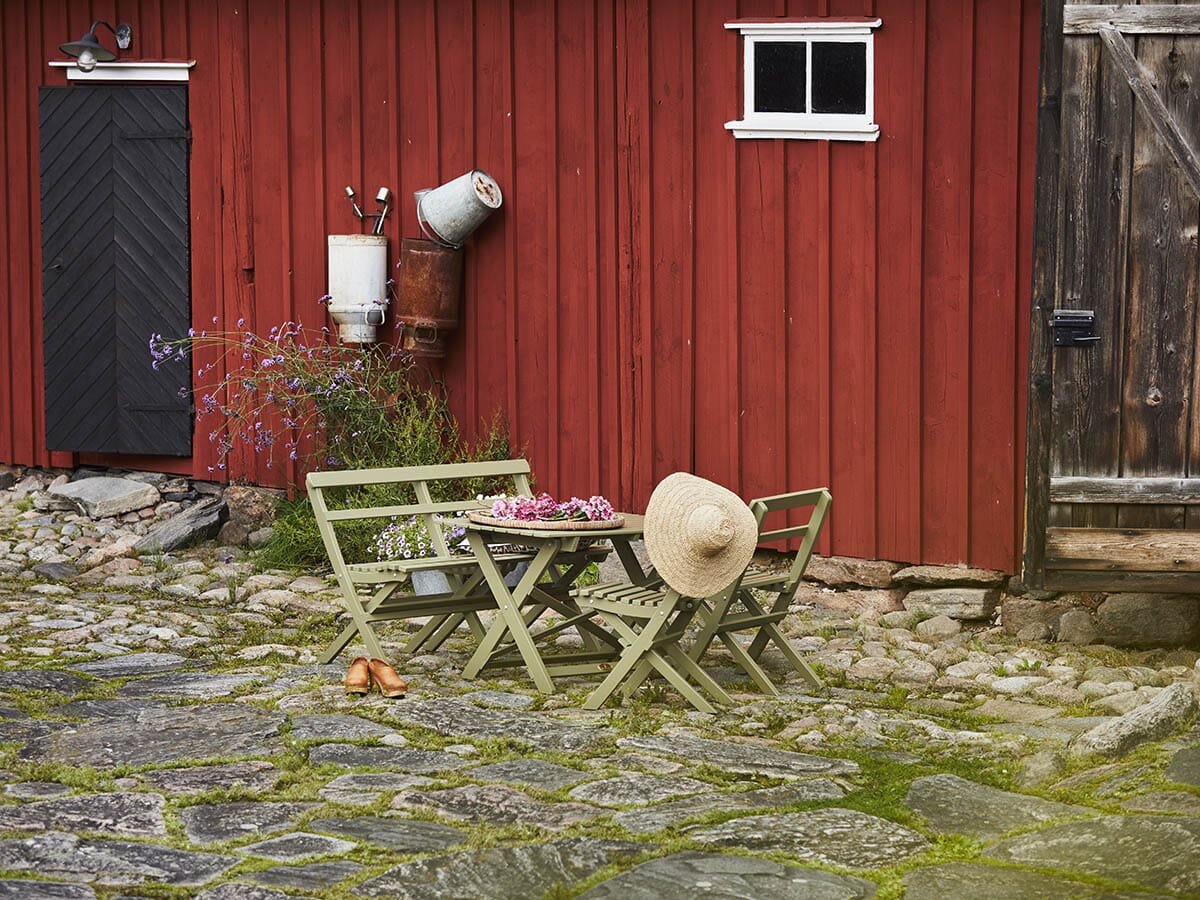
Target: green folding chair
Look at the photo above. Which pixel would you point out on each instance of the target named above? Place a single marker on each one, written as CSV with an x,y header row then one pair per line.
x,y
737,609
649,623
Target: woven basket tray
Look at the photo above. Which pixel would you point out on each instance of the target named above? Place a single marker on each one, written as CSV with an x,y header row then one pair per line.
x,y
548,525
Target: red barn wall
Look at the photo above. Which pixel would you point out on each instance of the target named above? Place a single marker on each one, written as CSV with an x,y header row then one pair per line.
x,y
654,295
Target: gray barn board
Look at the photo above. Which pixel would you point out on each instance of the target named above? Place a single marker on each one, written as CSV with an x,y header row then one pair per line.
x,y
1113,448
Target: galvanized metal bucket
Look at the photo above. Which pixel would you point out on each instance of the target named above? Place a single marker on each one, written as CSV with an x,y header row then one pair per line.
x,y
448,214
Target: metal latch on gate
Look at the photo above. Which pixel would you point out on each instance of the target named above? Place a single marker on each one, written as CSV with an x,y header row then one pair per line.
x,y
1074,327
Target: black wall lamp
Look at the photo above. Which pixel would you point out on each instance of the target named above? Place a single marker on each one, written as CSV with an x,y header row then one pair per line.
x,y
88,50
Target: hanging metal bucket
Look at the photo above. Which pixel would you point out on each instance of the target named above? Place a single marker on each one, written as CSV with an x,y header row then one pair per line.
x,y
429,289
448,214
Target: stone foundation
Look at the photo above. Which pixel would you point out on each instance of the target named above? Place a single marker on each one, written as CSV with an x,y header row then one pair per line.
x,y
869,589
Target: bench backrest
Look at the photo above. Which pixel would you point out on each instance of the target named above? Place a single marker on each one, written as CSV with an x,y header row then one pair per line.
x,y
356,494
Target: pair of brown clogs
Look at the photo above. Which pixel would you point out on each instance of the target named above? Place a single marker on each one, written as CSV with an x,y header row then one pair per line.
x,y
363,672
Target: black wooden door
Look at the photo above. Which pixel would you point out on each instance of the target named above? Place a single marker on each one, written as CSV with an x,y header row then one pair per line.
x,y
116,269
1113,480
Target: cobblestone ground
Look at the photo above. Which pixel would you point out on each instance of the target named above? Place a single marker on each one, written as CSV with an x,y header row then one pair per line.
x,y
168,733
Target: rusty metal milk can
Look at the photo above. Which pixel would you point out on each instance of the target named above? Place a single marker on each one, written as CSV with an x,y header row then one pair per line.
x,y
430,290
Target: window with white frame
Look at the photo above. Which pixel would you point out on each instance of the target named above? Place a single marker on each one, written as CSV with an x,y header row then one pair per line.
x,y
809,78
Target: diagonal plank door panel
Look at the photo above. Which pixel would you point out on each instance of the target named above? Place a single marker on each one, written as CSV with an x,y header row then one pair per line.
x,y
115,244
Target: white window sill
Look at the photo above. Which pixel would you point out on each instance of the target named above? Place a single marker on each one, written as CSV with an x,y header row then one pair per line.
x,y
751,129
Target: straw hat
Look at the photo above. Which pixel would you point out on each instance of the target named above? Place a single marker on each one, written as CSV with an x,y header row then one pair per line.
x,y
699,536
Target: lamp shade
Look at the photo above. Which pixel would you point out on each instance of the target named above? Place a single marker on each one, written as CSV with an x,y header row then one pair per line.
x,y
88,42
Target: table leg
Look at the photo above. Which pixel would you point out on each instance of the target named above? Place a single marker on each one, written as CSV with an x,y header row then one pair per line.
x,y
629,560
510,620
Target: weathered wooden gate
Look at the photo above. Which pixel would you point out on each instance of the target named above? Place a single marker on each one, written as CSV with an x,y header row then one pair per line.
x,y
116,266
1113,465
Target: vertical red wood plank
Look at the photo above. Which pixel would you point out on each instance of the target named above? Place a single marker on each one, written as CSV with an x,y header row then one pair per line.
x,y
852,239
717,68
900,110
8,25
377,98
342,99
532,215
306,184
997,39
635,250
807,316
270,161
490,276
52,26
611,370
22,174
147,28
762,225
672,87
205,106
946,316
853,225
237,177
1026,176
456,117
817,346
417,106
575,291
420,167
175,29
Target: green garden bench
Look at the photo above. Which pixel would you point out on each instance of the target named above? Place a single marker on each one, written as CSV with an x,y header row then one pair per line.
x,y
371,590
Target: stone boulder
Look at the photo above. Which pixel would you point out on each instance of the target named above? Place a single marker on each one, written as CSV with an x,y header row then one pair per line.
x,y
962,603
949,576
1018,612
863,604
1076,626
1149,620
102,498
1152,721
955,805
198,523
251,507
849,571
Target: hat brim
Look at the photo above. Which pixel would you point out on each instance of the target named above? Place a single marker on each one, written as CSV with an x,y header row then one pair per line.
x,y
691,573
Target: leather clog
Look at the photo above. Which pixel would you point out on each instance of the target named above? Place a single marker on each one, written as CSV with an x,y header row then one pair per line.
x,y
389,683
358,678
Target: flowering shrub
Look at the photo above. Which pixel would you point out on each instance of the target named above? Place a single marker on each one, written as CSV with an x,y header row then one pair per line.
x,y
292,393
409,539
545,508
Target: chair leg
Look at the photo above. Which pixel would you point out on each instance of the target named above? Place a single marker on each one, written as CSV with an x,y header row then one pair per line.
x,y
748,664
359,624
434,633
710,613
771,632
635,653
685,665
656,649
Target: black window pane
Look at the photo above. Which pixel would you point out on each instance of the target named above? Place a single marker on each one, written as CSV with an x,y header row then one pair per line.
x,y
839,77
779,76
